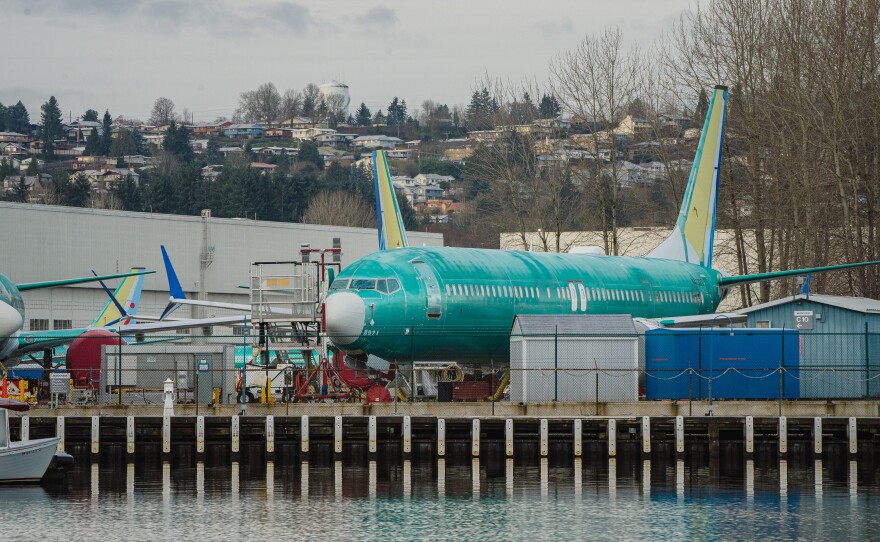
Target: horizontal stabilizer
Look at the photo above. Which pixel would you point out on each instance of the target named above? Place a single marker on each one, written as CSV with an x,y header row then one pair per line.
x,y
66,282
761,277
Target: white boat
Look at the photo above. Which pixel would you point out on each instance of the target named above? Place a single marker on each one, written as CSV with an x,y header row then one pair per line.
x,y
23,461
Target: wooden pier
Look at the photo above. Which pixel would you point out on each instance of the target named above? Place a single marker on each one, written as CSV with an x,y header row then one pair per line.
x,y
324,439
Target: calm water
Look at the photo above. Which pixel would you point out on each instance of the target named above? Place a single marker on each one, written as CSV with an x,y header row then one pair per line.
x,y
591,500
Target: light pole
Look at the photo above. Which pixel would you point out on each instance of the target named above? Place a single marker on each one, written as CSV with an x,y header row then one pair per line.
x,y
712,356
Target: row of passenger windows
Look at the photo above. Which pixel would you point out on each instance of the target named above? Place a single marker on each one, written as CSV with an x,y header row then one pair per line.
x,y
482,290
386,286
591,294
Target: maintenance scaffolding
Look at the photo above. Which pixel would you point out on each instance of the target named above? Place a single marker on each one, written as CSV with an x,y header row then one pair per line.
x,y
287,299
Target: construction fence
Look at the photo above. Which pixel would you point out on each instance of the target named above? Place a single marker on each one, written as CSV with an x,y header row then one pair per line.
x,y
699,367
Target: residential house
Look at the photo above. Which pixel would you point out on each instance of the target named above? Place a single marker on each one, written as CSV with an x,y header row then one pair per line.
x,y
104,179
334,139
432,179
14,149
401,154
635,127
210,128
224,151
275,151
26,163
35,184
81,130
377,141
93,162
154,139
198,144
300,122
13,137
244,130
211,171
264,168
66,150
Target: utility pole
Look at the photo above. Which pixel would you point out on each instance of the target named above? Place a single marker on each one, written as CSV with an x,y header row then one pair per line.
x,y
206,258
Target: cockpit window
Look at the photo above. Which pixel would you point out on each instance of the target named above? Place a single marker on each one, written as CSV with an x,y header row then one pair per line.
x,y
339,284
363,284
387,286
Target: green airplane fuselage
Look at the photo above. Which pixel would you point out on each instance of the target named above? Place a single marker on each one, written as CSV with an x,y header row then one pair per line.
x,y
460,303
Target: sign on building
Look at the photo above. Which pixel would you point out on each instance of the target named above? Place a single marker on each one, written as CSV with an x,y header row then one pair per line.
x,y
803,319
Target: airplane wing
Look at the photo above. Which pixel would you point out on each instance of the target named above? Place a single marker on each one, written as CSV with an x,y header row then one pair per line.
x,y
760,277
187,323
706,320
23,287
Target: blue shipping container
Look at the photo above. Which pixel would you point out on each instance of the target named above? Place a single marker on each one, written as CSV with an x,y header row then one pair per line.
x,y
744,363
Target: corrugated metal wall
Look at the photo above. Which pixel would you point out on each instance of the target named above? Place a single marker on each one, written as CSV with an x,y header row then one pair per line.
x,y
840,356
43,242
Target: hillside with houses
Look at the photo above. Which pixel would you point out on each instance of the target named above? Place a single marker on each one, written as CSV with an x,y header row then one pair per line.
x,y
438,156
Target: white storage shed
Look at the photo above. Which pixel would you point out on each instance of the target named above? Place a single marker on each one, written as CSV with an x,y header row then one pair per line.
x,y
574,358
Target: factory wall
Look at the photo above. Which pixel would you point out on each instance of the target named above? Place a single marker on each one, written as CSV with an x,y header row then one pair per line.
x,y
43,242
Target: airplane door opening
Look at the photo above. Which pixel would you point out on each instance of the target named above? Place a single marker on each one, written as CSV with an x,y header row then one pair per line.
x,y
433,302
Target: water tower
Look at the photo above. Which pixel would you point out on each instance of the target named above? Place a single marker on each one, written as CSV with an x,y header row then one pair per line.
x,y
337,88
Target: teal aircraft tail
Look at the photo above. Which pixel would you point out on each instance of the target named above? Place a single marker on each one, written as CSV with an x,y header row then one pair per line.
x,y
392,233
694,233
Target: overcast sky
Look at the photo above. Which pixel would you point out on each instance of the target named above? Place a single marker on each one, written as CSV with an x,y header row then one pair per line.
x,y
123,54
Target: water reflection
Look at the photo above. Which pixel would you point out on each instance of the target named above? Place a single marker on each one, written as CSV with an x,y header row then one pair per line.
x,y
610,498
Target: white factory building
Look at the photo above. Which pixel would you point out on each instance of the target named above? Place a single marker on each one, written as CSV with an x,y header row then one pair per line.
x,y
44,242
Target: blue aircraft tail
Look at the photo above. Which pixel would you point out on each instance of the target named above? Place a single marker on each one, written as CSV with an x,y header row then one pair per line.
x,y
175,291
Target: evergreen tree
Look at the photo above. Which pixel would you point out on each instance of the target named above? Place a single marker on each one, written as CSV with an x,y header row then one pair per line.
x,y
363,115
176,142
138,138
106,133
21,191
308,152
72,192
33,168
93,144
480,110
123,144
6,169
212,152
396,112
51,119
128,193
379,118
336,177
17,119
549,108
3,115
90,115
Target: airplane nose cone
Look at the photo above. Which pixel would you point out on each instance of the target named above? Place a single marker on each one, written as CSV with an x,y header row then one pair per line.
x,y
10,320
345,317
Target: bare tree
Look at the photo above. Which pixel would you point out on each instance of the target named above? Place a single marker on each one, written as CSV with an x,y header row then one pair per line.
x,y
596,81
291,105
260,105
163,112
105,200
339,208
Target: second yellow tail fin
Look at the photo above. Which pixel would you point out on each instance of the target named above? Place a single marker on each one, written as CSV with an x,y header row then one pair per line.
x,y
392,233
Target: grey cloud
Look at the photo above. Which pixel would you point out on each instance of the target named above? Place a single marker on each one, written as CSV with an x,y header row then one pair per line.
x,y
111,8
549,29
378,16
215,16
289,16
